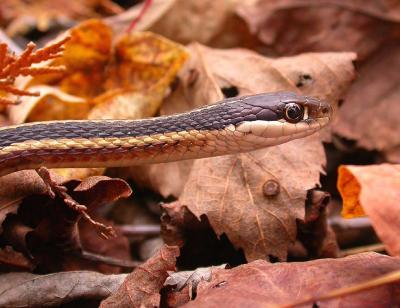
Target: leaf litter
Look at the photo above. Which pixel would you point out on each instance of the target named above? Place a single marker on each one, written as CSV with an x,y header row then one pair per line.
x,y
268,205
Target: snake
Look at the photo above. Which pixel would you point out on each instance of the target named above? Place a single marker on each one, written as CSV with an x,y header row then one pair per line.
x,y
233,125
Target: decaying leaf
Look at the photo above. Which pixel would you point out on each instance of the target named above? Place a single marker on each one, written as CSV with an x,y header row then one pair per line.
x,y
197,87
375,191
209,71
142,287
128,80
261,284
46,230
26,289
315,233
295,26
204,20
11,260
207,22
369,114
22,16
328,76
183,278
230,191
183,285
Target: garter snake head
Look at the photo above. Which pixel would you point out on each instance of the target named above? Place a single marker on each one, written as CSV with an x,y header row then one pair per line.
x,y
282,116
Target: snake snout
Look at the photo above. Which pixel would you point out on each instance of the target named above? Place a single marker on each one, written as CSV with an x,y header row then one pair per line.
x,y
318,108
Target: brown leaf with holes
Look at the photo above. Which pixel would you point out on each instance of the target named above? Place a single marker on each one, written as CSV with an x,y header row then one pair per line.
x,y
142,287
375,191
295,26
261,284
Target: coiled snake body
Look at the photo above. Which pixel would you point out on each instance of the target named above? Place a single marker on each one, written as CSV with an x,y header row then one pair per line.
x,y
232,125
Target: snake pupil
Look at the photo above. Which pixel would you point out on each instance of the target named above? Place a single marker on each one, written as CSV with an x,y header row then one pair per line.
x,y
294,112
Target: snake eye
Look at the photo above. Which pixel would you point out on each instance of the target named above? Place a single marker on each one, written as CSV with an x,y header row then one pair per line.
x,y
294,112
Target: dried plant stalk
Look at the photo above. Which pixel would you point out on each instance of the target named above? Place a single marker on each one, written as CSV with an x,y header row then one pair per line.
x,y
12,66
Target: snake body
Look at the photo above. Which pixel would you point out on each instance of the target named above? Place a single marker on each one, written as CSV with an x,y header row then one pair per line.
x,y
230,126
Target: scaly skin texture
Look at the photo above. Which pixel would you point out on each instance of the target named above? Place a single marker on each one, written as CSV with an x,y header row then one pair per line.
x,y
233,125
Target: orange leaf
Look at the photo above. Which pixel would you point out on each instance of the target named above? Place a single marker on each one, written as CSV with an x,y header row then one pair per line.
x,y
374,190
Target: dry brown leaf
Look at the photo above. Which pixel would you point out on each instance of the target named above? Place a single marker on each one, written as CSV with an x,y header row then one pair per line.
x,y
261,284
203,20
196,88
327,75
229,190
294,26
208,22
181,279
369,114
23,16
46,229
137,82
126,81
15,187
374,190
11,260
183,285
157,177
154,12
26,289
315,233
142,287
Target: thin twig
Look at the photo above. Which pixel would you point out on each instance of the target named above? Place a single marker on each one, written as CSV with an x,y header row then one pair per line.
x,y
109,260
140,230
53,189
146,5
345,291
